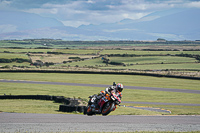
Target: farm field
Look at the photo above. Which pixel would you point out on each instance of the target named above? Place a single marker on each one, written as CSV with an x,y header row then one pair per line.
x,y
10,56
78,51
167,62
153,60
24,50
147,52
57,58
186,67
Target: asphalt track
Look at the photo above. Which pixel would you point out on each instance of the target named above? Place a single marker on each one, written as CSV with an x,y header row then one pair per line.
x,y
19,122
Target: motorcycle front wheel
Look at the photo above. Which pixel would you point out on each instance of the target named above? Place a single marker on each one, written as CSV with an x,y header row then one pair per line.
x,y
89,110
107,108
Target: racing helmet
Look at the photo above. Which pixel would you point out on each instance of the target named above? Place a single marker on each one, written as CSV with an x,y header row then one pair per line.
x,y
119,87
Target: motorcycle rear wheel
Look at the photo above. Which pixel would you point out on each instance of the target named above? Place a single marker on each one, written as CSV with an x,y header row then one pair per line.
x,y
107,108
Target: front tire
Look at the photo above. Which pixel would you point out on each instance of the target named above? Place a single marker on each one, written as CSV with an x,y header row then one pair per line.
x,y
107,108
89,110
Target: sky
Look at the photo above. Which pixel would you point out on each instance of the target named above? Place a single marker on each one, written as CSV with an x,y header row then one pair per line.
x,y
84,12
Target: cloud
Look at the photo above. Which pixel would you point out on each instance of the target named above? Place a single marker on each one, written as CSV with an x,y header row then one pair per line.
x,y
195,4
77,12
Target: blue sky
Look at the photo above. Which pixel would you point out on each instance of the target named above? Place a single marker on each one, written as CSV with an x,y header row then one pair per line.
x,y
78,12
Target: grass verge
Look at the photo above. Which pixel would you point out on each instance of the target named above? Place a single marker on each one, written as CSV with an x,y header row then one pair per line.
x,y
107,79
128,95
84,92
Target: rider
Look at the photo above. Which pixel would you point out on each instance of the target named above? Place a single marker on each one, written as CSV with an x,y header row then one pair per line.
x,y
117,89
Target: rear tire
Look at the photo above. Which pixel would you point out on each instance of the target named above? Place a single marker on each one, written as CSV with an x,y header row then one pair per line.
x,y
107,108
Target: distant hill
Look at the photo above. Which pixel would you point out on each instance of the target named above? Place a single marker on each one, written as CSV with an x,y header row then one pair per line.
x,y
170,25
177,26
27,21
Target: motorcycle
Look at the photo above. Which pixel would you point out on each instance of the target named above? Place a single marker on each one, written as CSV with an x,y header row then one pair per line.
x,y
103,105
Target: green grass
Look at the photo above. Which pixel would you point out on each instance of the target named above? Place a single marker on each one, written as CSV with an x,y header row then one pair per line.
x,y
107,79
11,56
77,51
7,44
25,50
103,52
128,94
183,66
29,106
56,58
49,107
92,62
151,59
16,64
137,52
36,106
84,92
131,111
175,110
14,56
159,96
138,63
41,89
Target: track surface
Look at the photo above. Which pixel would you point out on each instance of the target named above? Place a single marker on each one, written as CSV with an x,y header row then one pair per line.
x,y
17,122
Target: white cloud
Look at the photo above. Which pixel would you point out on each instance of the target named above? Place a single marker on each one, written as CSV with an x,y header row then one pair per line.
x,y
193,4
105,11
90,1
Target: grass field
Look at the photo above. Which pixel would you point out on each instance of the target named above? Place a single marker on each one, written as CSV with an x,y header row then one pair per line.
x,y
25,50
145,61
128,95
179,67
77,51
29,106
139,52
11,56
137,61
129,80
156,60
153,59
56,58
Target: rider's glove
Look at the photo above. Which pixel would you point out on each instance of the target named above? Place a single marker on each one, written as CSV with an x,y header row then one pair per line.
x,y
117,102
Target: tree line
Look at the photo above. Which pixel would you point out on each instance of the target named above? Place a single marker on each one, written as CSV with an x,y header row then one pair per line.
x,y
18,60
